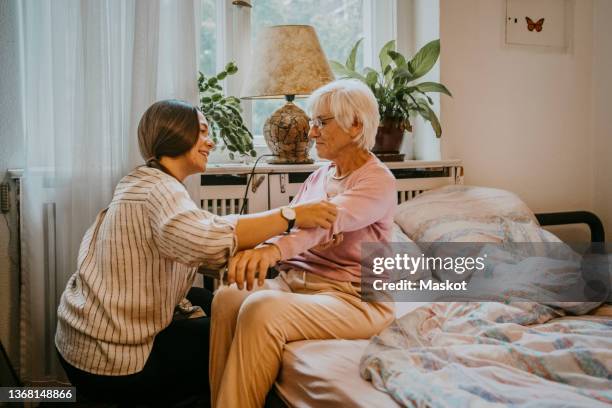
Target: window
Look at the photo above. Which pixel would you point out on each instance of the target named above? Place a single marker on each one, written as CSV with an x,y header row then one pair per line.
x,y
208,38
338,23
228,31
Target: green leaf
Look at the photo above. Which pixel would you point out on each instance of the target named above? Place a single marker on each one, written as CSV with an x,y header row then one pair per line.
x,y
388,69
425,59
253,153
383,55
403,74
343,72
350,61
212,82
339,69
231,156
235,111
221,75
431,102
231,68
398,58
216,97
233,100
431,116
371,78
433,87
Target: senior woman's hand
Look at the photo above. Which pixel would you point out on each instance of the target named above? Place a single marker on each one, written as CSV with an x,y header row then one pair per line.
x,y
245,266
315,214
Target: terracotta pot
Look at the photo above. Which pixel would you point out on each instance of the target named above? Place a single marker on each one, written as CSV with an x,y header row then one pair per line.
x,y
388,138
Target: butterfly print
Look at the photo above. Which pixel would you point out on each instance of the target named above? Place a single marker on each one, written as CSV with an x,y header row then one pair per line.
x,y
538,25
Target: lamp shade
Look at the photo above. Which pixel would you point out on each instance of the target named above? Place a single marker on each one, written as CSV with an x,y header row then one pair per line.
x,y
286,60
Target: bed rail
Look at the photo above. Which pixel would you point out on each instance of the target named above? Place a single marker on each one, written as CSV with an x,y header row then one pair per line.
x,y
575,217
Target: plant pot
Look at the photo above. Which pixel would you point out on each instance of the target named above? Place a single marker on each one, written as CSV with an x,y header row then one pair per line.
x,y
389,141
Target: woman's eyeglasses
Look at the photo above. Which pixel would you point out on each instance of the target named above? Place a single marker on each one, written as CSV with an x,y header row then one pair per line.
x,y
319,122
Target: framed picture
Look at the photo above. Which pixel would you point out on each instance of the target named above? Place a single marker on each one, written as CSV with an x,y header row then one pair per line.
x,y
541,23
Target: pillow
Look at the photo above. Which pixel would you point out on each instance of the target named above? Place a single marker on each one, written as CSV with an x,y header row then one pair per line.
x,y
458,213
404,245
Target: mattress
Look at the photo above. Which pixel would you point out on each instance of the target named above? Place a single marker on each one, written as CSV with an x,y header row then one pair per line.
x,y
325,373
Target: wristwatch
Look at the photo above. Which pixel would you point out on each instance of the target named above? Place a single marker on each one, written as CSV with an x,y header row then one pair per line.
x,y
288,213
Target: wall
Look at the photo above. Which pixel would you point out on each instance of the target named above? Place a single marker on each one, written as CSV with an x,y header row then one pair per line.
x,y
11,156
601,87
520,117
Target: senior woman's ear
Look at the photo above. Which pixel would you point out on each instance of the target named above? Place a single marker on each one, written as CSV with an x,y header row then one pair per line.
x,y
356,128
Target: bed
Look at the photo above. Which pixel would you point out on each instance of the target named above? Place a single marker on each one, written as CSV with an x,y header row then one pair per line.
x,y
452,371
326,373
319,373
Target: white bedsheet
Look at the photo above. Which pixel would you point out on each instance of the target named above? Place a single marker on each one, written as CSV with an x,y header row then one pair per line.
x,y
325,373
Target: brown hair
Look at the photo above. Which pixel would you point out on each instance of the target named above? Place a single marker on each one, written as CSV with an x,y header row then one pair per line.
x,y
168,128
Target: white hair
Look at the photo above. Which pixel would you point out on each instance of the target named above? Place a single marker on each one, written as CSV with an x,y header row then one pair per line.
x,y
349,101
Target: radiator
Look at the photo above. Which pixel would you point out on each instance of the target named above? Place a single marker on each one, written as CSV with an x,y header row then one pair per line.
x,y
224,194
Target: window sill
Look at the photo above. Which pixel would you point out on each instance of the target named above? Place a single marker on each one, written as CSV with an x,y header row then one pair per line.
x,y
221,157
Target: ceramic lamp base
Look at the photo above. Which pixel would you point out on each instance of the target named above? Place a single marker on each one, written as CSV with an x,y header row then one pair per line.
x,y
286,134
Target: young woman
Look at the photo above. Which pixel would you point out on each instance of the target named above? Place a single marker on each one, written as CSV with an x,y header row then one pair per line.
x,y
130,326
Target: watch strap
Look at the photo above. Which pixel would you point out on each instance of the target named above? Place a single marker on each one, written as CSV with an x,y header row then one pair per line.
x,y
290,225
290,221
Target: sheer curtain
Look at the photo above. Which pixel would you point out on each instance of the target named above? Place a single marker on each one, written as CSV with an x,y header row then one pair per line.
x,y
90,68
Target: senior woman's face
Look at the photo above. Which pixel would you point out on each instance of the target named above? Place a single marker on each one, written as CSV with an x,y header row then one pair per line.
x,y
330,139
197,156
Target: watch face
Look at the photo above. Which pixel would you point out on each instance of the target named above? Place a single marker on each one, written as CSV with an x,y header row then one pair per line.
x,y
288,213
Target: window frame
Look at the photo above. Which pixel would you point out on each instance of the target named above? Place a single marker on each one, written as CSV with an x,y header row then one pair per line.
x,y
233,43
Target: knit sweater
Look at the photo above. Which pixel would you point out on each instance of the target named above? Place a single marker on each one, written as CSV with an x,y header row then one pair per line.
x,y
366,200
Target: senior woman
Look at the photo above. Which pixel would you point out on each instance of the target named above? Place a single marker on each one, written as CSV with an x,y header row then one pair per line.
x,y
317,293
130,325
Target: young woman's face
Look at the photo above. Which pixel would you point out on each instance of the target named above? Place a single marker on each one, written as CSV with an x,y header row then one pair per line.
x,y
197,157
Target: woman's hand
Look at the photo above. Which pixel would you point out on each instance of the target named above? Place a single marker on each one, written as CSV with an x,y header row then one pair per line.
x,y
315,214
246,265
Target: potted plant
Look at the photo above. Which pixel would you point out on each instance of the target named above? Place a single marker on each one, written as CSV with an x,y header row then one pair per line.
x,y
397,94
224,114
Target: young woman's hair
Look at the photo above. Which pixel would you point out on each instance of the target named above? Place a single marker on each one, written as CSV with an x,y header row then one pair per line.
x,y
168,128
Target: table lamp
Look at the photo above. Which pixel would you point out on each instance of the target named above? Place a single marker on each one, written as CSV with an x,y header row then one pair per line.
x,y
287,62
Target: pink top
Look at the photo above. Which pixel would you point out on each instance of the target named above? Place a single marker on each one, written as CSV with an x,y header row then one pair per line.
x,y
366,200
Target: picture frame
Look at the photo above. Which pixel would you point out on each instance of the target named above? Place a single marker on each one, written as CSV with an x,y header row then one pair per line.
x,y
543,24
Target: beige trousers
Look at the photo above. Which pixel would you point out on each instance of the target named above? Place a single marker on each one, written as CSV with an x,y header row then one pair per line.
x,y
249,329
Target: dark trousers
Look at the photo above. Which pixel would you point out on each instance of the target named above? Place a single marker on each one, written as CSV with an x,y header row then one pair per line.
x,y
176,369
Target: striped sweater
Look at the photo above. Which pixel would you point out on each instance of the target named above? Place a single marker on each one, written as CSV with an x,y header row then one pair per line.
x,y
136,263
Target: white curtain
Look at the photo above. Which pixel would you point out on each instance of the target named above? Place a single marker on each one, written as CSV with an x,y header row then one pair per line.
x,y
90,68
